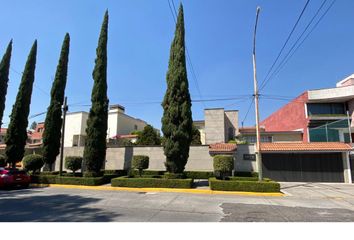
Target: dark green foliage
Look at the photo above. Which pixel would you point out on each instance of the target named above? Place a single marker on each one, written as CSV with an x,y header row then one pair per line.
x,y
151,182
17,131
4,78
120,142
52,179
2,161
33,125
96,131
33,162
119,172
140,162
73,163
147,172
169,175
92,174
195,136
198,175
177,116
149,136
53,121
246,174
244,186
223,165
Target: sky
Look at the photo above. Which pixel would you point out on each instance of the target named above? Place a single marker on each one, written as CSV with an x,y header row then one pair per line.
x,y
219,37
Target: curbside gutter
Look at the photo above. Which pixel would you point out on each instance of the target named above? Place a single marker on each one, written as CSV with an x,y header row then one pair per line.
x,y
173,190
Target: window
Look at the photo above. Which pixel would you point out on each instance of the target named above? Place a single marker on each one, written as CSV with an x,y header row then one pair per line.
x,y
253,139
325,108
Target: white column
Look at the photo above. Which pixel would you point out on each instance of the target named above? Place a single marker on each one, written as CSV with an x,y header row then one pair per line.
x,y
346,168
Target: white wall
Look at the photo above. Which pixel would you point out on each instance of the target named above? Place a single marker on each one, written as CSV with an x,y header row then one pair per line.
x,y
75,125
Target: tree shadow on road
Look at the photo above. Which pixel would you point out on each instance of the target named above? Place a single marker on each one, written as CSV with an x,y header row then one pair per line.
x,y
52,208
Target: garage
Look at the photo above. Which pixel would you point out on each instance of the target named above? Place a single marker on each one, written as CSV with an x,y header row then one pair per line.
x,y
305,162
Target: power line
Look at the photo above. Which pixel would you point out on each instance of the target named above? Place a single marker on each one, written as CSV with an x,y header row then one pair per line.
x,y
286,42
286,58
275,73
34,84
189,60
248,111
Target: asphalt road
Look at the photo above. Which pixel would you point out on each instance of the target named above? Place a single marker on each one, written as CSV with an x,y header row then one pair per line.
x,y
303,203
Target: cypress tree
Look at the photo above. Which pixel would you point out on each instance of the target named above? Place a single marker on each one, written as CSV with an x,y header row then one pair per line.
x,y
149,136
4,78
177,116
96,131
53,121
16,133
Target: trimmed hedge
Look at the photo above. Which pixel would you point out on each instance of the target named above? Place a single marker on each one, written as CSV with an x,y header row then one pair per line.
x,y
198,175
53,179
247,179
246,174
73,163
140,162
33,162
243,186
151,182
119,172
147,172
223,166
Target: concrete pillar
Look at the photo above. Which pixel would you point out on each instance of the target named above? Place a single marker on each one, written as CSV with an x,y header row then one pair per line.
x,y
346,168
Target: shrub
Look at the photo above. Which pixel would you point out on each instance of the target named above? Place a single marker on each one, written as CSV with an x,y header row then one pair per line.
x,y
33,162
73,163
223,165
152,182
119,172
2,161
244,186
168,175
147,172
52,179
140,162
246,174
198,175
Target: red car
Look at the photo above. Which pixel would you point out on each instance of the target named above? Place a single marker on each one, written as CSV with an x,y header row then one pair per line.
x,y
13,177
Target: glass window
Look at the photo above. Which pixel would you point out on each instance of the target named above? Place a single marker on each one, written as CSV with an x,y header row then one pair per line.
x,y
325,108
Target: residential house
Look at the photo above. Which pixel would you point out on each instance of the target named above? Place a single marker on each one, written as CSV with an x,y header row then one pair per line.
x,y
119,123
219,126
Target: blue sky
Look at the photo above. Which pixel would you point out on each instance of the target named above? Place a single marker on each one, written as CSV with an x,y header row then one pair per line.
x,y
219,40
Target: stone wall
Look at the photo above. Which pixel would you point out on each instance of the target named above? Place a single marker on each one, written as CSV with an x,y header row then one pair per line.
x,y
199,157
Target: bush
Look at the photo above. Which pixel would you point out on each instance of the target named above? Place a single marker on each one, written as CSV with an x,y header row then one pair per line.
x,y
33,162
73,163
147,172
151,182
119,172
52,179
223,165
168,175
2,161
246,174
244,186
140,162
92,174
198,175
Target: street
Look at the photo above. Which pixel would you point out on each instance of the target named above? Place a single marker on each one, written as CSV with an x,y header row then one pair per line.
x,y
303,202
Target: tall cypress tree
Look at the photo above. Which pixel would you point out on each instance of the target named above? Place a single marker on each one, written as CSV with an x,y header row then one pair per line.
x,y
96,131
53,121
177,116
4,78
16,133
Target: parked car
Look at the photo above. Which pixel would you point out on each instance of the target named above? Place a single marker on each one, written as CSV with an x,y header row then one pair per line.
x,y
13,177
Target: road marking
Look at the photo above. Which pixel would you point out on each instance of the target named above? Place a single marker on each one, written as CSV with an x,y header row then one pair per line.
x,y
174,190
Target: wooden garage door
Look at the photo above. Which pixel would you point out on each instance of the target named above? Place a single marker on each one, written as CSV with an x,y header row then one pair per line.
x,y
295,167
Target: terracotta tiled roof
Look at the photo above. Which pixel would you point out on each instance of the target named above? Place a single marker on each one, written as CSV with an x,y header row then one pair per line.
x,y
222,147
307,147
3,130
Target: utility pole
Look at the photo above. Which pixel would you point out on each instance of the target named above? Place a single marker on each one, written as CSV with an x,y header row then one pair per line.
x,y
256,99
65,109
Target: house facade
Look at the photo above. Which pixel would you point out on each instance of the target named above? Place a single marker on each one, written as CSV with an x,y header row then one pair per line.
x,y
219,126
323,115
119,123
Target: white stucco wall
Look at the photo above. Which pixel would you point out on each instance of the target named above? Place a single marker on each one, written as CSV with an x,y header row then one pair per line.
x,y
75,125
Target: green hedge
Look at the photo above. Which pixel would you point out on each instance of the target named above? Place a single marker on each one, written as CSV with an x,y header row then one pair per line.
x,y
152,182
147,172
246,174
53,179
119,172
199,175
244,186
247,179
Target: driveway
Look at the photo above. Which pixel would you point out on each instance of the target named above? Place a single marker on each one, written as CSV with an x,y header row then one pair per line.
x,y
303,202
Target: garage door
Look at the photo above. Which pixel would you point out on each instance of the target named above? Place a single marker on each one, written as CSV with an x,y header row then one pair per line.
x,y
295,167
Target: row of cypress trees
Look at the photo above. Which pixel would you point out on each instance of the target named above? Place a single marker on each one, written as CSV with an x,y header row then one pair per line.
x,y
97,123
176,121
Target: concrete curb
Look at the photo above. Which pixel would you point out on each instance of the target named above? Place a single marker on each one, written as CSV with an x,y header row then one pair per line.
x,y
174,190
